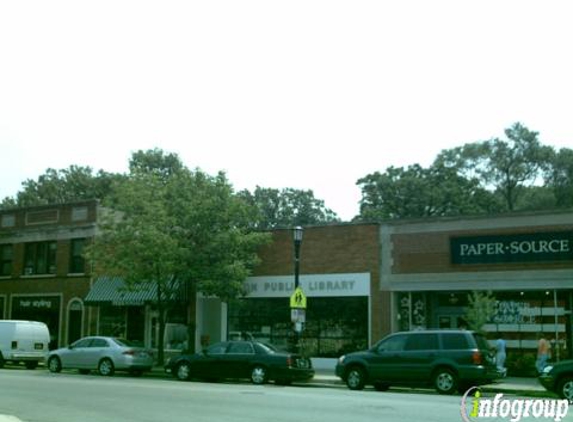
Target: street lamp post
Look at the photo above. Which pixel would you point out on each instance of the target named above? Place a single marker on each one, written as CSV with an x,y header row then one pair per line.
x,y
297,325
297,237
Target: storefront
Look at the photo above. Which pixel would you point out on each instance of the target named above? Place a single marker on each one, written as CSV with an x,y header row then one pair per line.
x,y
524,260
41,308
336,320
132,313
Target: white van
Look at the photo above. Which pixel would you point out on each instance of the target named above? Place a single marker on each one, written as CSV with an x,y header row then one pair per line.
x,y
23,341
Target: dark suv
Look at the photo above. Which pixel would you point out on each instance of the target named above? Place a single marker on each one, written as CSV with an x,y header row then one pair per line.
x,y
448,360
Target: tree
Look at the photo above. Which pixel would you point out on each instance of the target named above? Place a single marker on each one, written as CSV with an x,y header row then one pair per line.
x,y
481,308
173,227
75,183
287,208
559,178
416,192
503,166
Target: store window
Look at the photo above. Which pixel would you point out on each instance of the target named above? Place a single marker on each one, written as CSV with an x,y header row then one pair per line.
x,y
77,261
112,321
333,326
40,258
6,258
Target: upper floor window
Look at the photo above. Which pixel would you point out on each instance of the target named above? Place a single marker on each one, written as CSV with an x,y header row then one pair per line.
x,y
40,258
77,261
6,257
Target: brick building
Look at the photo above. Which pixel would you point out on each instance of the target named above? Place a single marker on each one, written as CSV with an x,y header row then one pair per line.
x,y
362,281
339,273
43,274
525,260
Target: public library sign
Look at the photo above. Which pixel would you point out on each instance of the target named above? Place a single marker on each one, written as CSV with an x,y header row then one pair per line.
x,y
534,247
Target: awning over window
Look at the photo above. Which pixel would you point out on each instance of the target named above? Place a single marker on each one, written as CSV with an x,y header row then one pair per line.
x,y
114,291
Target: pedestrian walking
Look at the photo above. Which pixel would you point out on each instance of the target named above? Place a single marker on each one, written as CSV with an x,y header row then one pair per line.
x,y
500,355
543,353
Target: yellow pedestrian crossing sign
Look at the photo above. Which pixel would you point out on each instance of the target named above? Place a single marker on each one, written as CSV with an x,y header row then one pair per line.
x,y
298,299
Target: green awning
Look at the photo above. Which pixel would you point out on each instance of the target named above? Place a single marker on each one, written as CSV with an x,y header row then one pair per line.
x,y
114,291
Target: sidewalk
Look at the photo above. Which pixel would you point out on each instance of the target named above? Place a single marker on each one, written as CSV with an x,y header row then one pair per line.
x,y
509,385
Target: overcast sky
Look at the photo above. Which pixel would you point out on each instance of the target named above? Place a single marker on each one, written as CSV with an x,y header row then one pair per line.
x,y
303,94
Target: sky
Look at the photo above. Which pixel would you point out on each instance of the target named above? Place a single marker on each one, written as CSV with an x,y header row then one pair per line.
x,y
301,94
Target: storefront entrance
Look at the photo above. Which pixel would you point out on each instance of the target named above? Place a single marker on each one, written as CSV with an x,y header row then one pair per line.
x,y
45,309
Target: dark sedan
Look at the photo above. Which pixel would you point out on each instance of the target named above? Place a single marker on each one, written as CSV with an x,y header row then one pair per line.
x,y
558,378
251,360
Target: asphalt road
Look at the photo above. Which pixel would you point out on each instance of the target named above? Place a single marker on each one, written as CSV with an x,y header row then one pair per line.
x,y
39,396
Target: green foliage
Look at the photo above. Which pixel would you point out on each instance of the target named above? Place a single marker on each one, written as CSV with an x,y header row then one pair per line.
x,y
171,225
75,183
504,166
416,192
286,208
559,178
481,308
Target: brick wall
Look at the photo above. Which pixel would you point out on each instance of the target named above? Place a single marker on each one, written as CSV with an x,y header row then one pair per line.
x,y
346,248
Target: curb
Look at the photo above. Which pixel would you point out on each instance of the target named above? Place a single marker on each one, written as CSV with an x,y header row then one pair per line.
x,y
322,380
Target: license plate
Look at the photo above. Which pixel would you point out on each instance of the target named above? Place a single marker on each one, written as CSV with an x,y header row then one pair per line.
x,y
38,346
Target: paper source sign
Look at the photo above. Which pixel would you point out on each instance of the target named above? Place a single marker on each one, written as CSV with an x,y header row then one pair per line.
x,y
536,247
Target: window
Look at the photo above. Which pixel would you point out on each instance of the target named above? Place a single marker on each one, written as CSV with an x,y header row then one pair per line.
x,y
334,325
217,349
241,348
454,341
6,256
393,344
424,341
77,261
40,258
8,220
85,342
99,342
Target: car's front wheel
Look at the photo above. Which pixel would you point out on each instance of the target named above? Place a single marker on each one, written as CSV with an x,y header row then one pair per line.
x,y
355,378
183,371
106,367
565,388
54,364
445,381
259,374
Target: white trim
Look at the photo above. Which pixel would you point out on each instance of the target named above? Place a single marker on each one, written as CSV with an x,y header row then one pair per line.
x,y
487,280
313,285
69,305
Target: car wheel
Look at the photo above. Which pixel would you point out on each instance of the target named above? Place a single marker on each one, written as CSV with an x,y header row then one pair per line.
x,y
31,364
105,367
1,361
183,371
445,381
259,375
355,378
565,388
381,386
54,364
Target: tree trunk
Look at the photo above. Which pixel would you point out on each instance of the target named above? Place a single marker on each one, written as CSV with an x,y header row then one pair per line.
x,y
161,320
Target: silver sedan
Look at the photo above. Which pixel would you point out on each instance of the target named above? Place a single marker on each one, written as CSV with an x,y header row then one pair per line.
x,y
103,354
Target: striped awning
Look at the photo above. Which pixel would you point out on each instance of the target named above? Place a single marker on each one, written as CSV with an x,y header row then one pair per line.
x,y
114,291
